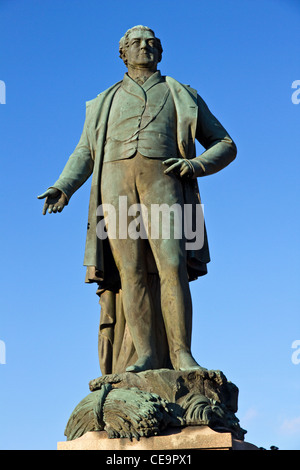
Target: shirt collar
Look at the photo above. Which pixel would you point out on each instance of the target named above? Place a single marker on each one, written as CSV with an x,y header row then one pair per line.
x,y
152,80
133,87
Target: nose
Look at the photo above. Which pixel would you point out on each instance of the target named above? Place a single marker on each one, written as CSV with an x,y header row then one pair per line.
x,y
144,44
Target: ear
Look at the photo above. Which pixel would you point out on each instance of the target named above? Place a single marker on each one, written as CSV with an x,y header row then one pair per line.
x,y
123,56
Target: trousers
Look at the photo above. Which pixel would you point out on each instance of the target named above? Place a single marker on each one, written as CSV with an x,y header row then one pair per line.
x,y
143,182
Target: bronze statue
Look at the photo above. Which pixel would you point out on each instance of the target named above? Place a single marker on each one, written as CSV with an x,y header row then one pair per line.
x,y
138,142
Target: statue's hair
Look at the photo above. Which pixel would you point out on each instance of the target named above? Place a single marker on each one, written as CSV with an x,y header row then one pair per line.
x,y
123,44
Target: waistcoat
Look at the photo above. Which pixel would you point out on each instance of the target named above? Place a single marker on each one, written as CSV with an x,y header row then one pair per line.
x,y
143,119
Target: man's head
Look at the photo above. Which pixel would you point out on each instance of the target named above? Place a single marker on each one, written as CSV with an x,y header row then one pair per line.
x,y
140,48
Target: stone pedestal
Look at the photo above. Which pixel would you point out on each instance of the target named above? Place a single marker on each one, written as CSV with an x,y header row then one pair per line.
x,y
180,439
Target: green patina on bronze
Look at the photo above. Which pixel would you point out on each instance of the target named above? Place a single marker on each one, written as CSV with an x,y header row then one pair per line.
x,y
138,141
145,404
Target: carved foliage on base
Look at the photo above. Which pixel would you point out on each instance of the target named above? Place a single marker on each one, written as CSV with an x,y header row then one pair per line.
x,y
131,412
135,413
88,414
200,410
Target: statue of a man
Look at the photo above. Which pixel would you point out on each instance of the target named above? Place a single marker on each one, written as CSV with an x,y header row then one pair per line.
x,y
138,141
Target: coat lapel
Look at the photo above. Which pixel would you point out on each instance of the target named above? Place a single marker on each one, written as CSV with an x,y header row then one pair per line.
x,y
185,100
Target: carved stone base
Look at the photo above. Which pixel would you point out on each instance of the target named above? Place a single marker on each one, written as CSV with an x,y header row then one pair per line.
x,y
145,404
189,438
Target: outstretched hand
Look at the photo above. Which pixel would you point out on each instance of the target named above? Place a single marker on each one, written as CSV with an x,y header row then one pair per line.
x,y
55,200
179,166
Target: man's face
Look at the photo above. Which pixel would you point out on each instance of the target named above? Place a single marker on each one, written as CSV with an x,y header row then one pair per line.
x,y
142,51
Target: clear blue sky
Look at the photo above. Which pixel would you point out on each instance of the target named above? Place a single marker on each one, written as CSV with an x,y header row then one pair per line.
x,y
242,57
